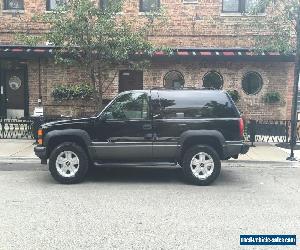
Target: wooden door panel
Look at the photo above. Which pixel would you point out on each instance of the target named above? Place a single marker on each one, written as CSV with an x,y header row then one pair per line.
x,y
130,80
15,94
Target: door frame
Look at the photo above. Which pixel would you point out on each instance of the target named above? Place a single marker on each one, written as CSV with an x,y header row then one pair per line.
x,y
123,147
3,82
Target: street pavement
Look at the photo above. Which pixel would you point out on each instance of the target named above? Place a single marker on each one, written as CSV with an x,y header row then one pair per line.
x,y
147,208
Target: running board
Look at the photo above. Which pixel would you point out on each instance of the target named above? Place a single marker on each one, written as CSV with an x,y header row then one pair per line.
x,y
135,164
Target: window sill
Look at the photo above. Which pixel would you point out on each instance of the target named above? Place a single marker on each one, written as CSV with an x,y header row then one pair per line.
x,y
234,14
13,11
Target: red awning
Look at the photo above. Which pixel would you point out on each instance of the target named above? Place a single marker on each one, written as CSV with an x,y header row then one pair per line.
x,y
221,52
18,51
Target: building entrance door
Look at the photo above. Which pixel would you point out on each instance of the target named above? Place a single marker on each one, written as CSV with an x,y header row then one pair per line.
x,y
130,80
14,91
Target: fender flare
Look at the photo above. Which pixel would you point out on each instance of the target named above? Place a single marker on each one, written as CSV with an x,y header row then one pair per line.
x,y
83,135
198,133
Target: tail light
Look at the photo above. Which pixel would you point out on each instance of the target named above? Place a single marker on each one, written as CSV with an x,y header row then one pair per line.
x,y
241,127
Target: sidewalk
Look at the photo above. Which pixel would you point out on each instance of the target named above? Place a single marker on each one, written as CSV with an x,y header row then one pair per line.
x,y
23,149
17,149
266,152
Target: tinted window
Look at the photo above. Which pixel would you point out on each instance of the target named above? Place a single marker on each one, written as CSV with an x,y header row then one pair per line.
x,y
195,104
128,106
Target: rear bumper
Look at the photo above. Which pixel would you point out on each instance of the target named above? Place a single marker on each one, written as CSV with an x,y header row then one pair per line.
x,y
233,149
245,149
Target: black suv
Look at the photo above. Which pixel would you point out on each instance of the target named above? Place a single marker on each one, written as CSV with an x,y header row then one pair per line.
x,y
193,128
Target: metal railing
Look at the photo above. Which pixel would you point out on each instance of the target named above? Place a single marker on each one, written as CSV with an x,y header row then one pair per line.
x,y
16,128
274,131
23,128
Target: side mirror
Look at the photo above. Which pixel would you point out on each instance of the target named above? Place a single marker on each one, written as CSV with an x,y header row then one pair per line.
x,y
157,116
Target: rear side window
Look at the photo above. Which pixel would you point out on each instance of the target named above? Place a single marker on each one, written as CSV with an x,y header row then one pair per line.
x,y
196,105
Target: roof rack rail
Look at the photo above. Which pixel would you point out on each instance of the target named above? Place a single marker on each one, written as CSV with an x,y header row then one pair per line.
x,y
209,88
184,88
158,88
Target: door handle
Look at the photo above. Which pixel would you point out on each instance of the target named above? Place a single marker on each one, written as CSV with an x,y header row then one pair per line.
x,y
1,90
148,136
182,126
147,127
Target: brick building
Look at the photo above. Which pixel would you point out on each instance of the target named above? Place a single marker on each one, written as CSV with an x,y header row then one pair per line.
x,y
212,43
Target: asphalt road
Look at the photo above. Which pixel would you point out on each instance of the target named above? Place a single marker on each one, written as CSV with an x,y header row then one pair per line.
x,y
146,208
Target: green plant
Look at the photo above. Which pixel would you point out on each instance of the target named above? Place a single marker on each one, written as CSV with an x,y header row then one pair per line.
x,y
72,92
234,94
272,97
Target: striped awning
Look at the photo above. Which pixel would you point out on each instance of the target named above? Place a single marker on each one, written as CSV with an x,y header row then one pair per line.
x,y
18,51
215,52
199,53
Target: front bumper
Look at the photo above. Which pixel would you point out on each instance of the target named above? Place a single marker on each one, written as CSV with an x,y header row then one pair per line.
x,y
41,152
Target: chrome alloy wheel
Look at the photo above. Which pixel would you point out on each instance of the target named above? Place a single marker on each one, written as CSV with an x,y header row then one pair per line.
x,y
67,164
202,165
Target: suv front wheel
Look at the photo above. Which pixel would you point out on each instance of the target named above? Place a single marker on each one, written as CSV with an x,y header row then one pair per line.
x,y
68,163
201,165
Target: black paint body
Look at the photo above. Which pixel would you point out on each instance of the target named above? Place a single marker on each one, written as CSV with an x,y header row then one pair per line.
x,y
174,119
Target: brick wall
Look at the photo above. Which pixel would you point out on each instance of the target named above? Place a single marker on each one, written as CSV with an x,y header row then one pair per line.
x,y
51,75
276,77
18,22
211,29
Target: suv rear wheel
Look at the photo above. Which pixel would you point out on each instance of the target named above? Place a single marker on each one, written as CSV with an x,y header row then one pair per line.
x,y
201,165
68,163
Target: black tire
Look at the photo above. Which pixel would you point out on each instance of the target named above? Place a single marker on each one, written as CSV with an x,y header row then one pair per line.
x,y
82,166
187,171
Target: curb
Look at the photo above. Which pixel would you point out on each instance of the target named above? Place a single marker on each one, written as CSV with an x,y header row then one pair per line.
x,y
230,162
262,162
259,163
19,159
